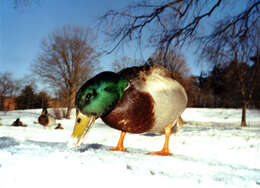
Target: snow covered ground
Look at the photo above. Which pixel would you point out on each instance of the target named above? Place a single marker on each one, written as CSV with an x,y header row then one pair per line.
x,y
211,150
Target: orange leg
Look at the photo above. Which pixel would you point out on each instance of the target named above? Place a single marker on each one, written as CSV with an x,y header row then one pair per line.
x,y
120,144
165,150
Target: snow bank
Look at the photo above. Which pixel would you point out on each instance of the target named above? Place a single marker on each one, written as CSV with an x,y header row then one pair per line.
x,y
216,153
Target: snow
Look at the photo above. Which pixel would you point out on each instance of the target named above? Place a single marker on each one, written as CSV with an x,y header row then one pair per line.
x,y
211,150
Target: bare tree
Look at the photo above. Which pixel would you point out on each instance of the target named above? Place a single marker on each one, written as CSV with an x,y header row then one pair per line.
x,y
7,84
8,88
237,41
174,22
67,59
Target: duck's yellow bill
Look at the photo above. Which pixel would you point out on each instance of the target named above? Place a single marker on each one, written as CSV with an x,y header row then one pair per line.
x,y
83,124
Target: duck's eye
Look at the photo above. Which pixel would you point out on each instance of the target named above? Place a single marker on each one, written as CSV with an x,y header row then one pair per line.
x,y
88,96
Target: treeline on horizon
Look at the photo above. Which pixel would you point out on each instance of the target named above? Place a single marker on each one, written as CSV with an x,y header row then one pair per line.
x,y
220,87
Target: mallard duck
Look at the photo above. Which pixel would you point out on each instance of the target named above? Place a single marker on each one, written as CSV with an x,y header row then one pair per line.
x,y
18,123
135,100
46,119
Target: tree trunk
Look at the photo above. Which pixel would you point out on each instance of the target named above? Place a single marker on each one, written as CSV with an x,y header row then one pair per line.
x,y
69,109
70,106
71,102
1,103
243,121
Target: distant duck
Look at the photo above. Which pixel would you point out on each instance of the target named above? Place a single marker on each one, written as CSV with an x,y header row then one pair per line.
x,y
46,119
18,123
59,126
136,100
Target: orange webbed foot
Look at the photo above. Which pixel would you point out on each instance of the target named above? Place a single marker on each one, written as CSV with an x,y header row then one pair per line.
x,y
165,150
122,149
161,153
120,145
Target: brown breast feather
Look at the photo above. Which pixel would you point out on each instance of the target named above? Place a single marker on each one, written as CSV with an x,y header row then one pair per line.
x,y
133,113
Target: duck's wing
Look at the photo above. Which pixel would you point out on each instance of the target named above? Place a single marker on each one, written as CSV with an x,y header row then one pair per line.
x,y
132,73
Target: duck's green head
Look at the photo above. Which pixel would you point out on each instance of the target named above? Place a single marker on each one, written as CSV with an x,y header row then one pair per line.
x,y
97,97
100,94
